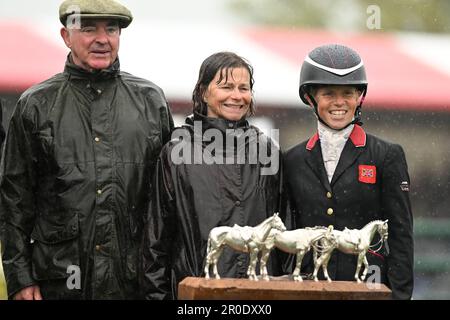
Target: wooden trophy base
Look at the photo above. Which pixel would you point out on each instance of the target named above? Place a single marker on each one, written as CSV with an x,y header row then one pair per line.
x,y
279,288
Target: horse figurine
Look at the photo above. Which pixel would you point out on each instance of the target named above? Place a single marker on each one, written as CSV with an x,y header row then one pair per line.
x,y
351,241
244,239
297,242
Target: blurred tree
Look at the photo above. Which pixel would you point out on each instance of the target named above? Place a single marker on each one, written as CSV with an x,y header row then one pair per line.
x,y
349,15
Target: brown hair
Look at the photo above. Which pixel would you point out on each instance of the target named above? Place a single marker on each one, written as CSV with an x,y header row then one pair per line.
x,y
221,61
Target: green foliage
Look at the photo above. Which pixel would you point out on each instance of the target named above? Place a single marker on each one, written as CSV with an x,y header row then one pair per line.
x,y
349,15
3,294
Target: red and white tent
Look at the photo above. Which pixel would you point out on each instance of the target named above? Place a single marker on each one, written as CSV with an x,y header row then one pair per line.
x,y
26,57
405,71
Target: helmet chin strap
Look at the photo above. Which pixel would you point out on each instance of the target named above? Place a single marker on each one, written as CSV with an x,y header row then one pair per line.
x,y
356,119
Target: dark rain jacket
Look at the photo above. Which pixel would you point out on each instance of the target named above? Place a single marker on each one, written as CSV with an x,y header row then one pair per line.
x,y
2,132
191,199
371,182
76,178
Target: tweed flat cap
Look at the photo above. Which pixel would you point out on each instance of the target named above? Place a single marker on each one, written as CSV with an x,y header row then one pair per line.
x,y
104,9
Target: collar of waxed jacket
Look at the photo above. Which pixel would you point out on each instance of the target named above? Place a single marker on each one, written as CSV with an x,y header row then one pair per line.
x,y
217,123
76,72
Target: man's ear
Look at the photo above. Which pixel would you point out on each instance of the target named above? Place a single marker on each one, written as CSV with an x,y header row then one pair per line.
x,y
65,34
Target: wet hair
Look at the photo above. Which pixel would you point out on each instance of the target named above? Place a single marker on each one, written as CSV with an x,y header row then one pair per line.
x,y
219,62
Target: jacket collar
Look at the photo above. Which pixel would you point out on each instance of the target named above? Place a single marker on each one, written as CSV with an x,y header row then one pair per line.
x,y
352,150
358,138
76,72
217,123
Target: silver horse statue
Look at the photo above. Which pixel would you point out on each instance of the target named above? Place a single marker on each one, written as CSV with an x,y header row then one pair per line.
x,y
351,241
244,239
297,242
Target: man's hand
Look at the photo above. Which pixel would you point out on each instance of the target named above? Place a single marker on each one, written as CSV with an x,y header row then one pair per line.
x,y
29,293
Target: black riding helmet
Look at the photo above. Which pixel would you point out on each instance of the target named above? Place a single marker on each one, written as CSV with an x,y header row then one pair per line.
x,y
333,64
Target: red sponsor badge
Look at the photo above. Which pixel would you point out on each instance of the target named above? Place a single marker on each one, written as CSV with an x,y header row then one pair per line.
x,y
367,174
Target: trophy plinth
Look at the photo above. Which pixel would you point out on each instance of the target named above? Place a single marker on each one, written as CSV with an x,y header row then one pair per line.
x,y
279,288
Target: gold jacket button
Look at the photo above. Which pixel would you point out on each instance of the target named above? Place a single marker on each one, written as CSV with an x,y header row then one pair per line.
x,y
330,211
97,247
329,195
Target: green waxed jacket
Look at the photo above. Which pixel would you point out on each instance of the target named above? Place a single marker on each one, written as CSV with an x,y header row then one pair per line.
x,y
76,178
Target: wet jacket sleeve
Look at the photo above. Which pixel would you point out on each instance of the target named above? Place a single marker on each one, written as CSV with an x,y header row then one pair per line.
x,y
397,208
2,132
287,206
289,214
158,232
166,123
17,212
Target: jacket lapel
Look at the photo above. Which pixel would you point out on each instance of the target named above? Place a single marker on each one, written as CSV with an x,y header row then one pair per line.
x,y
352,150
314,160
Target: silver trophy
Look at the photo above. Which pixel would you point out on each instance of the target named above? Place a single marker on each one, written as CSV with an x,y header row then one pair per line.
x,y
244,239
297,242
351,241
271,233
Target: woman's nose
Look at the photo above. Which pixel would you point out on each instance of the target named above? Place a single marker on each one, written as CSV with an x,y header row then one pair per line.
x,y
236,94
340,99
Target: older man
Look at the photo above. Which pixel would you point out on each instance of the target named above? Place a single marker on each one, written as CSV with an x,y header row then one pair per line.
x,y
79,157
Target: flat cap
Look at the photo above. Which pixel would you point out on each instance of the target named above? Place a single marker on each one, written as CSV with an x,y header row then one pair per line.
x,y
100,9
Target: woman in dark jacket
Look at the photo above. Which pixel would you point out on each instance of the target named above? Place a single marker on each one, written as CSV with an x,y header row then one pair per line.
x,y
216,171
345,177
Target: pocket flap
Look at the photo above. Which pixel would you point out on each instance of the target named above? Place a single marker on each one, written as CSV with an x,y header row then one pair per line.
x,y
49,232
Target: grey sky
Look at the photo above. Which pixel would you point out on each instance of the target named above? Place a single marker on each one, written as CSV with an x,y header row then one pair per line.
x,y
203,11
